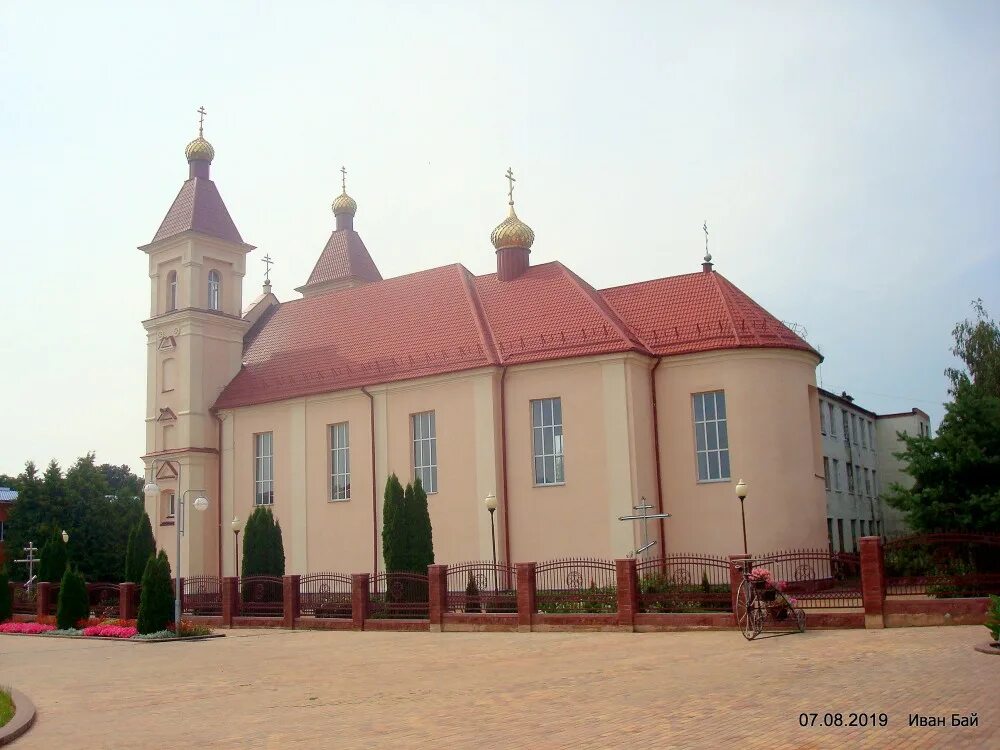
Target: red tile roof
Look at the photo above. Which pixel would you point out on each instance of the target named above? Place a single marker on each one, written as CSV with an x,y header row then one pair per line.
x,y
447,320
199,207
345,256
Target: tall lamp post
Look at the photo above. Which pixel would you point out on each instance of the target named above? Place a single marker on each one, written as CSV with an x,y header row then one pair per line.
x,y
491,505
152,490
741,493
237,527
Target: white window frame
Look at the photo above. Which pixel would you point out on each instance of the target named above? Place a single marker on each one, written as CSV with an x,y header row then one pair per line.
x,y
704,430
340,462
424,429
263,468
171,505
171,291
548,464
214,290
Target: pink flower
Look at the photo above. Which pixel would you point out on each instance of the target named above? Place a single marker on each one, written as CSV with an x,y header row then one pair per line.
x,y
792,601
760,574
109,631
781,585
31,628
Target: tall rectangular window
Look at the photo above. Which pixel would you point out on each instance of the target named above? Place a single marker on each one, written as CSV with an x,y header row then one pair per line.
x,y
829,532
547,441
847,429
871,436
864,434
850,478
854,535
854,429
840,533
822,418
711,436
836,475
826,472
263,468
171,505
874,484
832,421
868,483
425,463
857,478
340,461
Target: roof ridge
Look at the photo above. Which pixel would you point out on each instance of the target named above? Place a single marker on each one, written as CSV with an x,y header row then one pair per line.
x,y
649,281
605,309
725,304
485,331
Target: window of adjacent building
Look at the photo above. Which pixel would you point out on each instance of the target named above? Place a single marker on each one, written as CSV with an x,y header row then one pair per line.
x,y
871,435
850,478
711,436
864,434
836,475
263,468
826,472
847,428
214,285
854,429
840,533
854,535
832,421
822,418
874,484
169,505
868,483
171,291
547,441
425,450
829,532
857,478
340,461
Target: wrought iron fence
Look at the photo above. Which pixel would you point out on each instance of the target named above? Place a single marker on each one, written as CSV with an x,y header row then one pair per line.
x,y
261,596
325,595
203,596
103,600
25,602
684,583
576,586
816,578
398,595
944,565
476,587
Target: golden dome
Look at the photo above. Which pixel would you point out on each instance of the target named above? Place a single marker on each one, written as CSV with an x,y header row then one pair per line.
x,y
201,149
344,204
512,232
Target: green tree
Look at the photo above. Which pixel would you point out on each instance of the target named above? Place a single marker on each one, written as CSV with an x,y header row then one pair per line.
x,y
957,472
977,344
392,546
420,536
6,603
53,563
141,546
73,602
156,600
263,548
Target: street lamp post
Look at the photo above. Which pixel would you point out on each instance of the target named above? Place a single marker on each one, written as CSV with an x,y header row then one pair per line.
x,y
491,505
237,527
741,493
152,490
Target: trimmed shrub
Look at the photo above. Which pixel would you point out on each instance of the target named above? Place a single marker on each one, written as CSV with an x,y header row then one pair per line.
x,y
53,560
141,546
263,549
73,603
472,595
156,602
421,536
392,524
6,602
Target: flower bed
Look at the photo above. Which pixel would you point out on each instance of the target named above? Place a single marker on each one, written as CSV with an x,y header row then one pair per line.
x,y
96,628
28,628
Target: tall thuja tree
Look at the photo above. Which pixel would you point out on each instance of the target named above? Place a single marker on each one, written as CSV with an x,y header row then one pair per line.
x,y
73,602
392,525
141,545
156,600
54,558
263,548
420,536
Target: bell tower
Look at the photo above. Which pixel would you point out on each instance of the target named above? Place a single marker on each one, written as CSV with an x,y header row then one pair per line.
x,y
194,346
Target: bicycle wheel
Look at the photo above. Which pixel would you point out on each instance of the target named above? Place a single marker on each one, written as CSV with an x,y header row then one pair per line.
x,y
746,616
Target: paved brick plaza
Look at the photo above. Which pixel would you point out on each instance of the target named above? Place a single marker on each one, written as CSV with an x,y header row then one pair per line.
x,y
280,689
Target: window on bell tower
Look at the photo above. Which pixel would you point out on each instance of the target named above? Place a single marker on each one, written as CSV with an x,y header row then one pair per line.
x,y
214,285
171,291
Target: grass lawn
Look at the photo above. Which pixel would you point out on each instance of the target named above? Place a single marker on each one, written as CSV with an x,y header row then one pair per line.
x,y
6,707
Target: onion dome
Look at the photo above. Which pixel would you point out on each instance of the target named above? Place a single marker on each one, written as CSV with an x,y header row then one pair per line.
x,y
344,204
512,232
199,150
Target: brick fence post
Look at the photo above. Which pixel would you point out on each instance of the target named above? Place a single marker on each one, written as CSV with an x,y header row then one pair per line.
x,y
628,592
126,601
526,604
230,600
359,600
43,599
437,578
289,600
735,580
873,581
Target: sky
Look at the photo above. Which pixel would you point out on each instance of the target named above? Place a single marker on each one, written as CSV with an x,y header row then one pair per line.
x,y
845,156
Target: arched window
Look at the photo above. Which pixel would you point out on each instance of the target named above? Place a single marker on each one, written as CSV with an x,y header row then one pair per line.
x,y
214,284
171,291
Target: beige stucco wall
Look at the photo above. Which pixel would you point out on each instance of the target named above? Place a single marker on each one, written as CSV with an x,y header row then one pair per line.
x,y
891,468
774,447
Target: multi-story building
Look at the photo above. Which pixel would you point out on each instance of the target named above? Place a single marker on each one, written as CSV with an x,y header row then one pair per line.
x,y
7,498
858,461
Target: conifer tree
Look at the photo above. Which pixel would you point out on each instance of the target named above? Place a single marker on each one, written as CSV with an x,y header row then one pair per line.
x,y
263,548
141,546
421,534
53,564
156,602
73,602
391,523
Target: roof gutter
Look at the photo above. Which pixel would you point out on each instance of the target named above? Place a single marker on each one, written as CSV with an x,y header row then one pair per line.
x,y
656,462
503,465
218,487
371,421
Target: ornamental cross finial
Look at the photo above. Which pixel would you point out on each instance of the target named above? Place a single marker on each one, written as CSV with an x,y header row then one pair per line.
x,y
708,255
343,179
510,190
266,260
201,120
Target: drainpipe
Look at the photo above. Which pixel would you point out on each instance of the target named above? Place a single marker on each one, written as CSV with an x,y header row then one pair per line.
x,y
503,465
218,486
371,411
656,464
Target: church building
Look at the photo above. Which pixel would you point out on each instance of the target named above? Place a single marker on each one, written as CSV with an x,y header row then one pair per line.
x,y
568,403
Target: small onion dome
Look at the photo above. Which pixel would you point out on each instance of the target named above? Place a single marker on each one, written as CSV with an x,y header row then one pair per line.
x,y
199,149
512,232
344,204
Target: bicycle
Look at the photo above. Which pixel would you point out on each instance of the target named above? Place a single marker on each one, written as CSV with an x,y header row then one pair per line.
x,y
757,602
